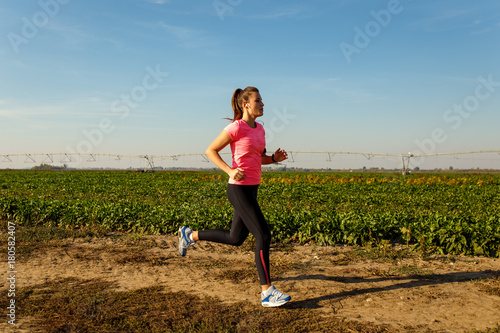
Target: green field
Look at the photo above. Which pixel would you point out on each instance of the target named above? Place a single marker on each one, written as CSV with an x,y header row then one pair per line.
x,y
442,213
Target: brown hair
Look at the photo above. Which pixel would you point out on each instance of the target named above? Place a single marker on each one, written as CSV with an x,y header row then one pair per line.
x,y
238,97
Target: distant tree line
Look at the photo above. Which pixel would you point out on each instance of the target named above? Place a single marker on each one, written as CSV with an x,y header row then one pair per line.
x,y
49,167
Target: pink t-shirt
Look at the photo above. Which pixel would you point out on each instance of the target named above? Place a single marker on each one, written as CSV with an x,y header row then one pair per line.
x,y
247,147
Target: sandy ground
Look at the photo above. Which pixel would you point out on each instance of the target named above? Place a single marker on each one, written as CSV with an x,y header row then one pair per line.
x,y
440,293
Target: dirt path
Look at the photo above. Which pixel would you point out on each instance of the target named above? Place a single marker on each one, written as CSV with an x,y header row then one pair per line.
x,y
451,294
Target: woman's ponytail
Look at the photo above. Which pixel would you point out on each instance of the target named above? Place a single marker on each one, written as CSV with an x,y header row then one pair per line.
x,y
238,97
235,103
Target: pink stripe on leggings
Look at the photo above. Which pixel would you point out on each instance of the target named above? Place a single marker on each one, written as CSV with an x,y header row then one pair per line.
x,y
264,266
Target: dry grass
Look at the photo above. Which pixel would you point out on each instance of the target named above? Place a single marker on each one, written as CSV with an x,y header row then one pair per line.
x,y
79,305
73,305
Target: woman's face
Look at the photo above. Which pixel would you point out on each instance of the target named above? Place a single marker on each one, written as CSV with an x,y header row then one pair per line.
x,y
254,106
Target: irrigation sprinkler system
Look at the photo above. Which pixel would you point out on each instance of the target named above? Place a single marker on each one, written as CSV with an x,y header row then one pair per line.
x,y
70,158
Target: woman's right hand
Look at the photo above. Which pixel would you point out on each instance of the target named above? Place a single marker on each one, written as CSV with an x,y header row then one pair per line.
x,y
237,174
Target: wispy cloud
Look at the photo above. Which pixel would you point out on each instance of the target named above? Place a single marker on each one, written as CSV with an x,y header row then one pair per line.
x,y
442,21
279,13
447,15
185,37
458,79
30,113
159,2
181,33
476,19
188,37
77,37
69,110
487,29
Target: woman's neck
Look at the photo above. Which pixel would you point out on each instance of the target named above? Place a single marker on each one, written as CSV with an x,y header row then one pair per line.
x,y
250,121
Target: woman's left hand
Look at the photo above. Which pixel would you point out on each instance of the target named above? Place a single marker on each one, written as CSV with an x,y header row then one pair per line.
x,y
280,155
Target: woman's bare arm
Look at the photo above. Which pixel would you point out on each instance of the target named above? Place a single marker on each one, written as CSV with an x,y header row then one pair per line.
x,y
212,153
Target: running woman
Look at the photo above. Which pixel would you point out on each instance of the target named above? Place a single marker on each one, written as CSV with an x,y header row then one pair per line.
x,y
248,146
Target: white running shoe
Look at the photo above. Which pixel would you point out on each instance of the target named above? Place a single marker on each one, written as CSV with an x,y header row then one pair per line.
x,y
273,297
184,241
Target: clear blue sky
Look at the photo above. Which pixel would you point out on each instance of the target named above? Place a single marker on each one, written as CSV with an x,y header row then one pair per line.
x,y
156,76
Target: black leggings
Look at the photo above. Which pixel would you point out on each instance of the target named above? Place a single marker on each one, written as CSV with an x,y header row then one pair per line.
x,y
247,218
